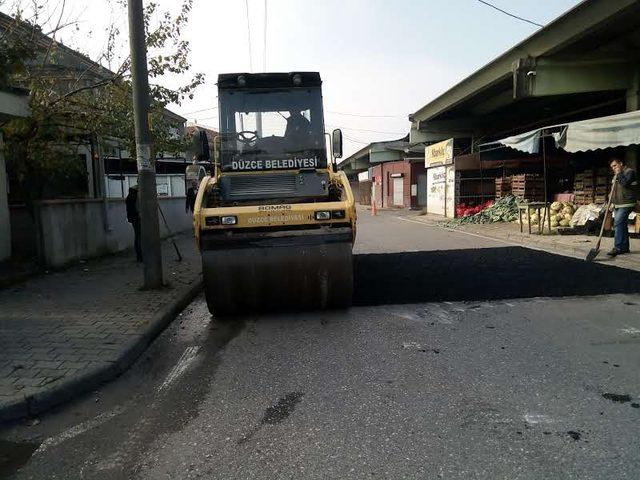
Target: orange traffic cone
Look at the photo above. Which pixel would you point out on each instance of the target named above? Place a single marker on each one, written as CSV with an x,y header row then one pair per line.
x,y
374,211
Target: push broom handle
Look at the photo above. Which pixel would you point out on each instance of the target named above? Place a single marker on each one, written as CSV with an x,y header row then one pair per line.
x,y
606,211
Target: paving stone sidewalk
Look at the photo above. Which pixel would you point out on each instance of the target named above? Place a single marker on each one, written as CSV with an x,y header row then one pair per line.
x,y
66,332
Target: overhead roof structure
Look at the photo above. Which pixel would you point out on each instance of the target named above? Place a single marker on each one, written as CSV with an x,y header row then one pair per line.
x,y
579,66
619,130
379,152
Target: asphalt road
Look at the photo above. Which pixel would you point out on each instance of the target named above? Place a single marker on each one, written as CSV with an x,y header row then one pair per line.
x,y
464,358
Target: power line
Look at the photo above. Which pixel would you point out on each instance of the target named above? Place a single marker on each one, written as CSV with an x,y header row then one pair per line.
x,y
354,140
264,66
510,14
199,111
365,116
207,118
246,3
365,130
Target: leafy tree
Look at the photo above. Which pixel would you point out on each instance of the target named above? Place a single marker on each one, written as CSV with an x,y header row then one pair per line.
x,y
80,102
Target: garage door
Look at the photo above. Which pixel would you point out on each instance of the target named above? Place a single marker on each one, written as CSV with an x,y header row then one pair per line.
x,y
398,192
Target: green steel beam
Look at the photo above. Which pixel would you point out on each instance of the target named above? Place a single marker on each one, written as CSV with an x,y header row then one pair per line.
x,y
545,76
569,28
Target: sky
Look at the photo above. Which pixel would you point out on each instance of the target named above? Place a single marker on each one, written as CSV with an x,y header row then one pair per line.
x,y
380,60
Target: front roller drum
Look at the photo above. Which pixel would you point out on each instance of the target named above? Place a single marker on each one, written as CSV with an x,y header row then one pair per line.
x,y
256,279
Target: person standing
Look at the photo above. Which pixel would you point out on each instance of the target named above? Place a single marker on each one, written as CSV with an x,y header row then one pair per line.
x,y
624,201
191,197
133,217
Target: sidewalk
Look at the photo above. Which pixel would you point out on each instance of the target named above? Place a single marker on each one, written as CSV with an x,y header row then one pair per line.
x,y
64,333
570,245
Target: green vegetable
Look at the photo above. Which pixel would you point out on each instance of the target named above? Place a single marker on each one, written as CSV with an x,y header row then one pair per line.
x,y
504,209
564,223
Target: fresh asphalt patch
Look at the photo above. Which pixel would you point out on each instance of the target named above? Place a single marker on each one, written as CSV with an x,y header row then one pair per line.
x,y
482,274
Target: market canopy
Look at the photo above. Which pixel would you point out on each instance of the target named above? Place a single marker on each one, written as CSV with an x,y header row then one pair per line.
x,y
594,134
605,132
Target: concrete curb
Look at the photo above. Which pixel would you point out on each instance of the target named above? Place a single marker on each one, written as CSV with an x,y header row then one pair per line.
x,y
44,399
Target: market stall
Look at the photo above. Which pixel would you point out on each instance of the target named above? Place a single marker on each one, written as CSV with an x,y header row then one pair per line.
x,y
586,146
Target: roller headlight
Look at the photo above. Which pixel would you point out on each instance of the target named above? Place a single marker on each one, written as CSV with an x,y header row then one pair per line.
x,y
323,215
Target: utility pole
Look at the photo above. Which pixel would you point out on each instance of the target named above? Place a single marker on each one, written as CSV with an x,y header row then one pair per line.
x,y
147,195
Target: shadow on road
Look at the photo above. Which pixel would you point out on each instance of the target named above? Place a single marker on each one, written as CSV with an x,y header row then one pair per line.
x,y
482,274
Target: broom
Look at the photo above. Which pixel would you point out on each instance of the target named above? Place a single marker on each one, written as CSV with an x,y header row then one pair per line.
x,y
593,253
179,255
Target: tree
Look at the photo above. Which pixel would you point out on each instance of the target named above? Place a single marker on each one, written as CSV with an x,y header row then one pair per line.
x,y
77,102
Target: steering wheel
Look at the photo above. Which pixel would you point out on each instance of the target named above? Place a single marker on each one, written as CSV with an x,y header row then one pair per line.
x,y
247,136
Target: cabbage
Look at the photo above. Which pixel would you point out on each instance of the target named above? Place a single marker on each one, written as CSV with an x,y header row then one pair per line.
x,y
555,206
564,223
554,224
568,216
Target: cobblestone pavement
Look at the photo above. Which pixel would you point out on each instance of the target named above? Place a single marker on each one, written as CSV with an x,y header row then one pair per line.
x,y
67,331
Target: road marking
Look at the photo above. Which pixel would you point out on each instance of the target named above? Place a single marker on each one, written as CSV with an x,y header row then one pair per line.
x,y
187,357
535,418
630,331
78,430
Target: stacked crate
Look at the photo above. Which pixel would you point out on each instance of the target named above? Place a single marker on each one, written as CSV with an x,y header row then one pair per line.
x,y
578,190
602,183
503,187
592,186
528,187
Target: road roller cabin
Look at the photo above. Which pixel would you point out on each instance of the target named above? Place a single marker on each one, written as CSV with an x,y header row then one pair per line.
x,y
275,221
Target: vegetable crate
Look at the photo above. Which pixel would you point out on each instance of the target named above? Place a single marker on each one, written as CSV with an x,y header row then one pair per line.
x,y
503,187
528,187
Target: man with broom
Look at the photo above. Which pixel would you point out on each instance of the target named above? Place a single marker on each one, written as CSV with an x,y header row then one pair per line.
x,y
624,200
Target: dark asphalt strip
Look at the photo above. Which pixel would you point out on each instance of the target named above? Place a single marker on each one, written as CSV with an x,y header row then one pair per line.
x,y
482,274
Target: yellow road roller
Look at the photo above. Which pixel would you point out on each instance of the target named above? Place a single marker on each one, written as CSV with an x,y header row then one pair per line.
x,y
275,221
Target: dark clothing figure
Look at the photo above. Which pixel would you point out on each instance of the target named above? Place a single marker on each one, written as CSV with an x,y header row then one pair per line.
x,y
626,193
624,201
133,217
191,200
298,130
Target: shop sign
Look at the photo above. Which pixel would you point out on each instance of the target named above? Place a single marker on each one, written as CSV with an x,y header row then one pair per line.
x,y
440,190
440,153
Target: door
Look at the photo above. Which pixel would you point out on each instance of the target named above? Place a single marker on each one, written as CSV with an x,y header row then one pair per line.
x,y
398,192
422,189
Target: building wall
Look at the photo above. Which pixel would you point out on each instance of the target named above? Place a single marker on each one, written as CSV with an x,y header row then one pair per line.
x,y
381,176
74,229
401,167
